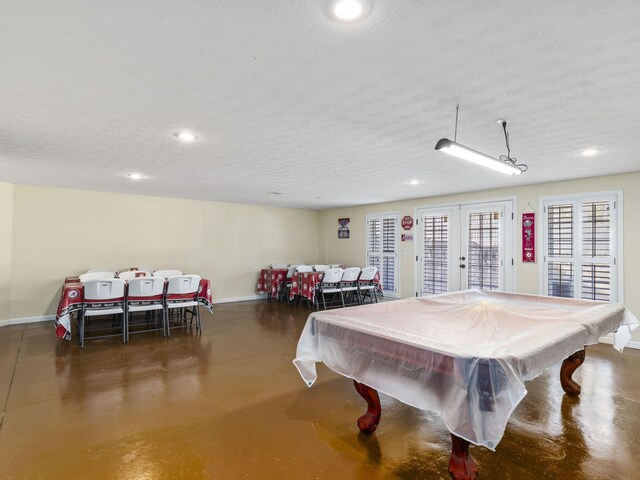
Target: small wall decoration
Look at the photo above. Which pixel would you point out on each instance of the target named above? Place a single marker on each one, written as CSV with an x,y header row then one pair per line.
x,y
343,227
407,222
406,237
529,237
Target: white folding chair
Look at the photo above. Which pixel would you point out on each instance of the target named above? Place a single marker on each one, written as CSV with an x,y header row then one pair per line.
x,y
366,284
85,277
103,297
335,265
146,294
284,291
93,270
331,285
131,274
167,273
349,283
304,269
279,265
320,268
182,292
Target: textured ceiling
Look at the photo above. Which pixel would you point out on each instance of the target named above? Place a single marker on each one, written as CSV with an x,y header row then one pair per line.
x,y
285,99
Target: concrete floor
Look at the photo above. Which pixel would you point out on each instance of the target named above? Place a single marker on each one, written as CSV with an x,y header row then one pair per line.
x,y
229,404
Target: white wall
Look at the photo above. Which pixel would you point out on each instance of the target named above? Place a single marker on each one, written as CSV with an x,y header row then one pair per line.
x,y
352,251
61,232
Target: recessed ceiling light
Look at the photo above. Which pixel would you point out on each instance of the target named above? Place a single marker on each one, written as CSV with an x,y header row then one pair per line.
x,y
590,152
135,176
414,182
349,10
185,136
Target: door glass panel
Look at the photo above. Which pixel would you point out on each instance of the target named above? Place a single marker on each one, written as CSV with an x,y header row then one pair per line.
x,y
561,279
435,254
483,264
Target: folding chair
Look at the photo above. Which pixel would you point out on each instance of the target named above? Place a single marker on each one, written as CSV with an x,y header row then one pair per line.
x,y
103,297
167,273
85,277
349,284
366,284
131,274
331,285
182,292
146,294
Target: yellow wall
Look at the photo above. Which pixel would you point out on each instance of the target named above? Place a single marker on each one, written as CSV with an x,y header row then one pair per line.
x,y
6,227
60,232
352,251
47,234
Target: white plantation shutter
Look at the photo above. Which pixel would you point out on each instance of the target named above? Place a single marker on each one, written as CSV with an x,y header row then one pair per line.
x,y
580,248
382,248
435,254
483,264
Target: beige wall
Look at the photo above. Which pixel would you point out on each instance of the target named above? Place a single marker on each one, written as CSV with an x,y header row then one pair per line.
x,y
6,228
60,232
352,251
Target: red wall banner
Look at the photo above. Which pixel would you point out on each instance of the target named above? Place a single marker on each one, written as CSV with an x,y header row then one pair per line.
x,y
529,237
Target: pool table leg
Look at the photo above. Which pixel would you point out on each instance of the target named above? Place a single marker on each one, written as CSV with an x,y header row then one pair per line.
x,y
462,466
569,365
368,422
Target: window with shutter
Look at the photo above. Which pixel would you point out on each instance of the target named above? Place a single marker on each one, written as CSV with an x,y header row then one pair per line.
x,y
382,249
580,247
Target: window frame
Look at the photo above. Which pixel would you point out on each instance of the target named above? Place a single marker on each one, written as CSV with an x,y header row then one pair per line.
x,y
617,273
396,254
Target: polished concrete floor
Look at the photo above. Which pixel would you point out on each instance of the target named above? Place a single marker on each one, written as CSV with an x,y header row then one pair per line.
x,y
229,404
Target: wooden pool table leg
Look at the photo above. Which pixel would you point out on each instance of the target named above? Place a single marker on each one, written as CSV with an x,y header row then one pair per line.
x,y
569,365
368,422
462,466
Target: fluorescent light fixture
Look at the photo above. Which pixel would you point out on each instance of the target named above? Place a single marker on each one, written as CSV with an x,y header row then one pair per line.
x,y
349,10
466,153
135,176
185,136
414,182
590,152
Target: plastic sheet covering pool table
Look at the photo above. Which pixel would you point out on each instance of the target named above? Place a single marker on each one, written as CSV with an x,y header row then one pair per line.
x,y
464,354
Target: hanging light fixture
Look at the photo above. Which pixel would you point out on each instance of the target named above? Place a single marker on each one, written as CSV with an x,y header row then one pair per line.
x,y
505,163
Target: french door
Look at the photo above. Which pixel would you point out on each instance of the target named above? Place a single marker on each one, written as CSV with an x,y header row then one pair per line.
x,y
464,246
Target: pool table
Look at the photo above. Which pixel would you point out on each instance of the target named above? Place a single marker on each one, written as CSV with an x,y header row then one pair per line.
x,y
463,354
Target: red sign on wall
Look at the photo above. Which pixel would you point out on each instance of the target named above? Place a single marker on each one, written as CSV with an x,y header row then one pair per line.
x,y
529,237
407,222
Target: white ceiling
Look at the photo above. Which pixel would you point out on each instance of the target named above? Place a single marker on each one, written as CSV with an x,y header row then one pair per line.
x,y
285,99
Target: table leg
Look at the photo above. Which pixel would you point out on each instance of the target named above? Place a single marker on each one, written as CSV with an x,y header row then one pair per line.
x,y
368,422
569,365
462,466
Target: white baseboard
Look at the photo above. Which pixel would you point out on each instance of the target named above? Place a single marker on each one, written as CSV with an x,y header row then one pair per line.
x,y
239,299
18,321
609,340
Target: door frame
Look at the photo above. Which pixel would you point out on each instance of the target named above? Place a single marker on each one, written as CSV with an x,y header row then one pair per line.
x,y
510,239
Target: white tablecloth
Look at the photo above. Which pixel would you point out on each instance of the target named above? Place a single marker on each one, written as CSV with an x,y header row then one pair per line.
x,y
464,354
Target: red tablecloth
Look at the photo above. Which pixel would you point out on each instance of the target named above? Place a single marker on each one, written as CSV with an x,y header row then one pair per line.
x,y
305,284
72,297
271,281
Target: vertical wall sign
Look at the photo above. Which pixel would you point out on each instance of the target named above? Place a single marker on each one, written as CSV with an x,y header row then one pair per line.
x,y
529,237
343,227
